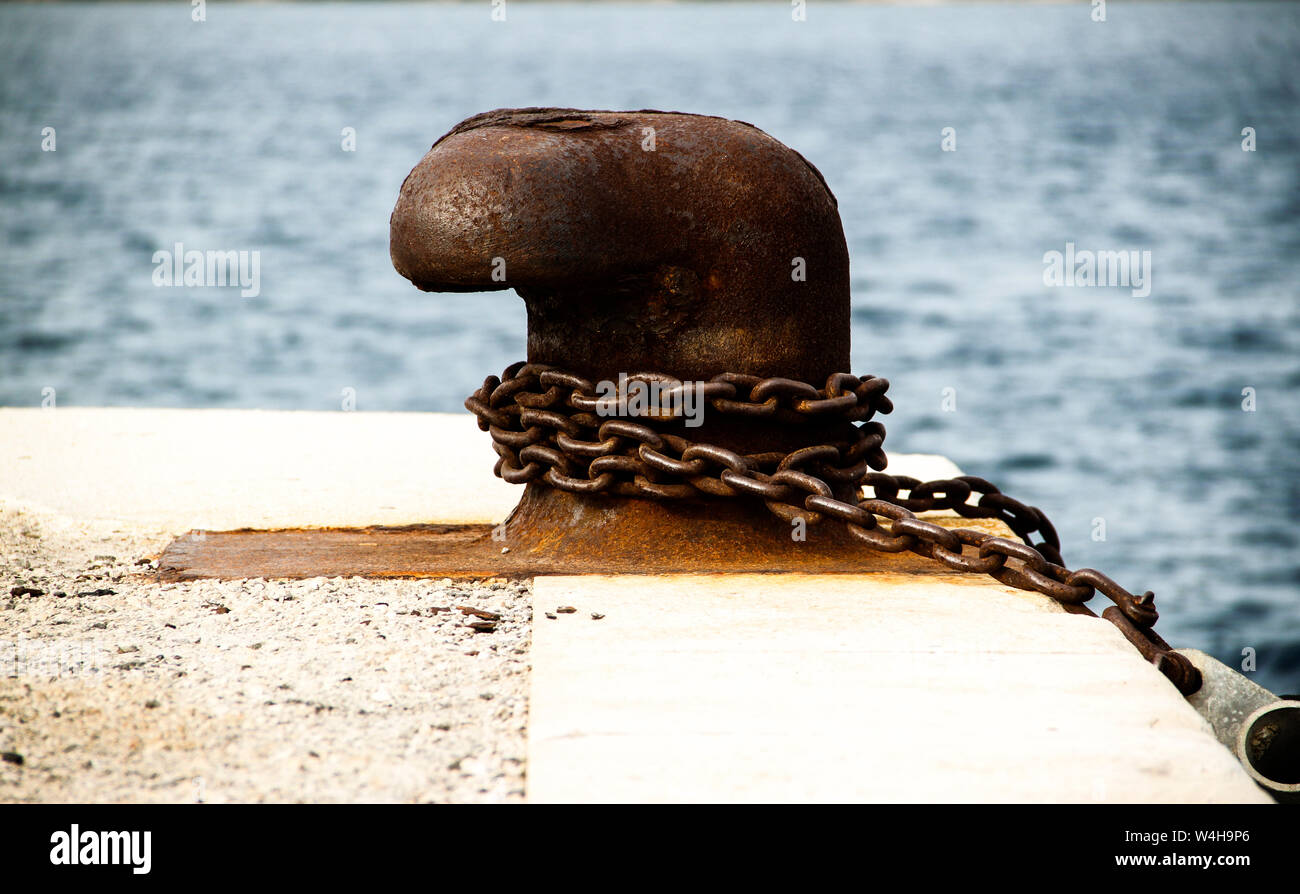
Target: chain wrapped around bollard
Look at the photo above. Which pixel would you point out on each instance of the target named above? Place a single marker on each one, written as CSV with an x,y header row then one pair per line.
x,y
547,426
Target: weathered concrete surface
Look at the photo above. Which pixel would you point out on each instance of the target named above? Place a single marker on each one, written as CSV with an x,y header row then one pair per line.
x,y
223,469
851,688
117,689
340,689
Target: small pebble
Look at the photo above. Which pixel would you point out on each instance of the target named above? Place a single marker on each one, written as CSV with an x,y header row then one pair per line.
x,y
479,613
566,610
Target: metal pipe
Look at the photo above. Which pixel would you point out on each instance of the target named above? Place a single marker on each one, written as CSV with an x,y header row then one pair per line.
x,y
1262,730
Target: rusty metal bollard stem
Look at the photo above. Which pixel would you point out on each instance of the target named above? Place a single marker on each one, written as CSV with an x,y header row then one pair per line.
x,y
641,241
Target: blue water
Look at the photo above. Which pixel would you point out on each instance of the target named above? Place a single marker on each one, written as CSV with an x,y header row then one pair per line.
x,y
1091,403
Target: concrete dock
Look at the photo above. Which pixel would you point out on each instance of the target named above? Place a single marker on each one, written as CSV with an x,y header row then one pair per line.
x,y
859,687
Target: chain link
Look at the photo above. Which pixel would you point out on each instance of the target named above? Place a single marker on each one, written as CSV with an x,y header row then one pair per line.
x,y
545,426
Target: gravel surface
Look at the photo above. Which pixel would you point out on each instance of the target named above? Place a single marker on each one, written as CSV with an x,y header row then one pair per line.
x,y
115,688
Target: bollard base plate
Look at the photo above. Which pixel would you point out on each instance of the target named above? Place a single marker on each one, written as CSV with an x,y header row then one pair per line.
x,y
633,546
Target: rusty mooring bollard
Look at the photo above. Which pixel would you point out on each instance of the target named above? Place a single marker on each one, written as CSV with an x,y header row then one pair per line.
x,y
644,241
700,248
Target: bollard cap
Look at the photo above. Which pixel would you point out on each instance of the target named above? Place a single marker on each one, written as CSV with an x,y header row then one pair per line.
x,y
645,240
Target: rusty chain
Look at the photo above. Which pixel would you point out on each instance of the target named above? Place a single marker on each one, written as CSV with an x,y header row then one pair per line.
x,y
546,426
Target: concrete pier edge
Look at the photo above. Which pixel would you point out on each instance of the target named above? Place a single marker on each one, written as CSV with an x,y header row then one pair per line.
x,y
871,687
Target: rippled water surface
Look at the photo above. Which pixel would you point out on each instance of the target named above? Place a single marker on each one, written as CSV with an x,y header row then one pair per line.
x,y
1092,403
